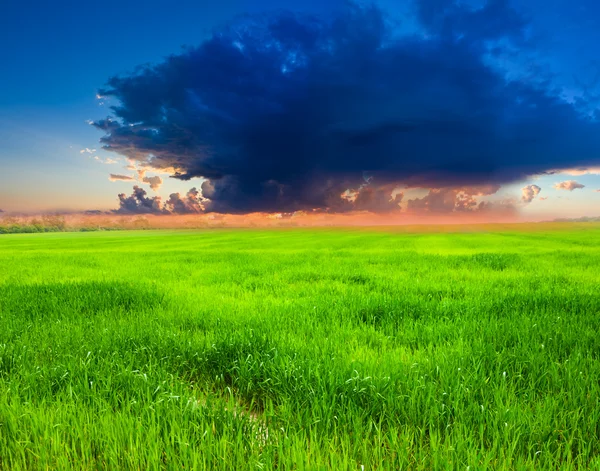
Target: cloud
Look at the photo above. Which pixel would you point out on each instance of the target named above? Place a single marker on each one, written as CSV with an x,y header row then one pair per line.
x,y
377,200
139,203
107,161
115,178
569,185
191,203
543,198
288,112
87,151
529,193
448,200
577,171
154,182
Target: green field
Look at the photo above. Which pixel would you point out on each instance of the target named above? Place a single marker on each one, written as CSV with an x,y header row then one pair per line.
x,y
301,349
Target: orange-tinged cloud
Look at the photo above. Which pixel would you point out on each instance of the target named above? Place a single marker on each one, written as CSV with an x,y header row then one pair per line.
x,y
568,185
578,171
155,182
529,193
116,178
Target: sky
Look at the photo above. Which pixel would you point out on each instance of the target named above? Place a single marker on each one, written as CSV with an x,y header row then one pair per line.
x,y
291,106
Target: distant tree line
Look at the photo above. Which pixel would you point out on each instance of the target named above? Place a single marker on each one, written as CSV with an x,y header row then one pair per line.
x,y
10,224
47,223
581,219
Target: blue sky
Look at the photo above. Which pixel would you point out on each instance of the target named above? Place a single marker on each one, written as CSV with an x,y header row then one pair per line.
x,y
56,56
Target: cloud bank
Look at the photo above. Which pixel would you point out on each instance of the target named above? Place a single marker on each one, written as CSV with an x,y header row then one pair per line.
x,y
287,112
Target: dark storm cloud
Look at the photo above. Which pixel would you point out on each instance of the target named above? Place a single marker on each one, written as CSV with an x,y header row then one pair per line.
x,y
377,200
287,112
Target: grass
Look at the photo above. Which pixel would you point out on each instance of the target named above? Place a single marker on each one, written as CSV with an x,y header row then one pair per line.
x,y
301,349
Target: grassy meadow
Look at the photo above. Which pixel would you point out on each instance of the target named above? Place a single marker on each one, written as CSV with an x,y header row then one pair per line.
x,y
301,349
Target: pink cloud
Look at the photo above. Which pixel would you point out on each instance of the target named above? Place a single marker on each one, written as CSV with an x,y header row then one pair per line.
x,y
529,193
116,178
568,185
